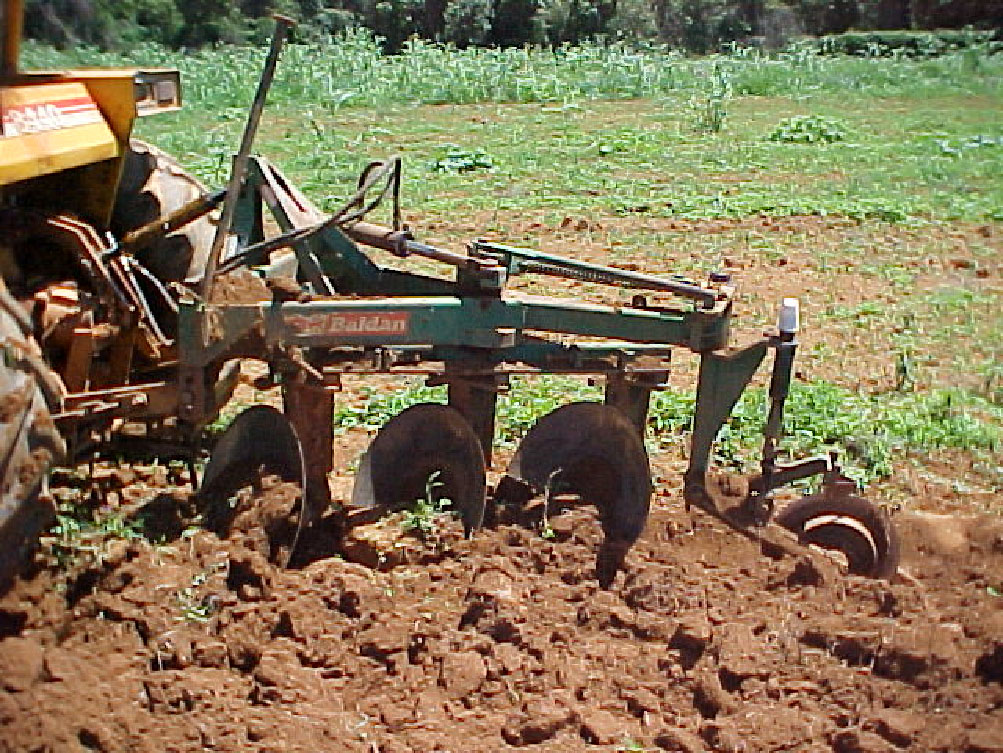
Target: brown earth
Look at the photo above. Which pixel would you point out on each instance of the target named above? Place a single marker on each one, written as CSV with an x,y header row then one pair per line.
x,y
376,640
708,641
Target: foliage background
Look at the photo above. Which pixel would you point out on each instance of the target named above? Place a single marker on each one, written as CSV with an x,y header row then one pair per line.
x,y
696,25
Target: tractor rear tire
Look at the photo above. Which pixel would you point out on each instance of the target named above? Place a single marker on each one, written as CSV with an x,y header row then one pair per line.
x,y
153,184
29,441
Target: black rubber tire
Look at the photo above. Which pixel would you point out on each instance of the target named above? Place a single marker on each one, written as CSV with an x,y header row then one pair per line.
x,y
852,525
153,183
29,441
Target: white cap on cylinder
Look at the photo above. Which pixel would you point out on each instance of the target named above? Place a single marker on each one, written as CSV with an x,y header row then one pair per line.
x,y
790,315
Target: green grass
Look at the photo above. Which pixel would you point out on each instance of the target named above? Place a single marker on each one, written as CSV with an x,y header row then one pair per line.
x,y
921,137
642,158
351,71
517,409
871,431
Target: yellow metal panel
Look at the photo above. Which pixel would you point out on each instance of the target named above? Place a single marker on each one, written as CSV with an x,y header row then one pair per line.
x,y
49,128
115,96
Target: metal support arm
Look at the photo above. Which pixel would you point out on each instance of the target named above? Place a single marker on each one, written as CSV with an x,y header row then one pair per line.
x,y
722,380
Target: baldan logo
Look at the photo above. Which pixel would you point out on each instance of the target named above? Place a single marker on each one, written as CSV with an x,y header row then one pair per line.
x,y
24,120
357,323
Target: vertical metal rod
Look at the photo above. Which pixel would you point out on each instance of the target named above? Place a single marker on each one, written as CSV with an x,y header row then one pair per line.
x,y
310,409
13,18
780,385
282,26
475,397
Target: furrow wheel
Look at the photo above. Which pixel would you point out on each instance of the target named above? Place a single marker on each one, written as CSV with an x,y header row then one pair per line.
x,y
851,525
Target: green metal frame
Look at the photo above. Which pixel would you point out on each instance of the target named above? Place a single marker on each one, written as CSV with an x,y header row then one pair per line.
x,y
465,331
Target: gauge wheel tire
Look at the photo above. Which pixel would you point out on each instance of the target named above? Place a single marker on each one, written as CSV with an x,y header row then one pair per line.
x,y
29,442
858,529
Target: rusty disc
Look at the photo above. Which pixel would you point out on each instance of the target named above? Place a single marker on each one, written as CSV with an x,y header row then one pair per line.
x,y
427,448
595,452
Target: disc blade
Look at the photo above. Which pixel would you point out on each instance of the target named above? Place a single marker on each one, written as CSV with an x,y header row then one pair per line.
x,y
594,451
259,439
418,443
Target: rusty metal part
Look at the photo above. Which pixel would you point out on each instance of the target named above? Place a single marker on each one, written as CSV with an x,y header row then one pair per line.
x,y
593,451
59,309
630,390
309,407
427,448
124,318
379,236
402,243
82,248
475,397
837,520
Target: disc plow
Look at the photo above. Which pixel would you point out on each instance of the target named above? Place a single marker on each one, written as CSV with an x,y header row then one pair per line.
x,y
331,312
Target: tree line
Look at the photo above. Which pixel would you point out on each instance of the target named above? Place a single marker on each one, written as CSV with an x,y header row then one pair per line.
x,y
694,25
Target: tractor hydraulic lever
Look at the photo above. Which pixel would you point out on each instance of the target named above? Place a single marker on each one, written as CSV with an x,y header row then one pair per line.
x,y
282,27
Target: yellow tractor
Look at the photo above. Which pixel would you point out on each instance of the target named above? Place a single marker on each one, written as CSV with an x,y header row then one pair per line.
x,y
76,324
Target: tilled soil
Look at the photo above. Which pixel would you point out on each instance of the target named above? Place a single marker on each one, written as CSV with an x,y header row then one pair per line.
x,y
375,640
708,641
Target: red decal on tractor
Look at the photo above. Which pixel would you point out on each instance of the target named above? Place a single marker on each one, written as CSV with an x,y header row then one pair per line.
x,y
358,323
22,120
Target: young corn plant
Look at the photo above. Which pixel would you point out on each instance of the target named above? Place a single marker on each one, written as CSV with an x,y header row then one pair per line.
x,y
710,109
421,518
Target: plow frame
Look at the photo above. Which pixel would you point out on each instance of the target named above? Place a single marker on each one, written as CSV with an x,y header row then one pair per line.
x,y
352,315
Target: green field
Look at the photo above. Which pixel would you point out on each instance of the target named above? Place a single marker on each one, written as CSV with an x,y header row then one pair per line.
x,y
871,188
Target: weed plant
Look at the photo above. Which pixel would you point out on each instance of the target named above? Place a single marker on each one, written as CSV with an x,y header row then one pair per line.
x,y
81,533
421,518
809,129
351,70
871,431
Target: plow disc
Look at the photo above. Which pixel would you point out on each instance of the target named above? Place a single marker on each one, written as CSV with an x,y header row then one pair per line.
x,y
427,448
260,441
595,452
